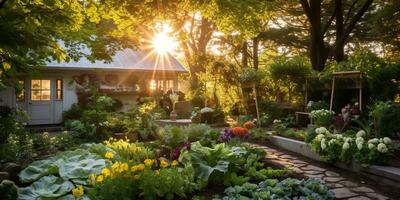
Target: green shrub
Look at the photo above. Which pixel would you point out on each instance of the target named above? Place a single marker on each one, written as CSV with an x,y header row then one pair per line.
x,y
73,113
390,122
8,190
319,105
322,117
172,136
286,189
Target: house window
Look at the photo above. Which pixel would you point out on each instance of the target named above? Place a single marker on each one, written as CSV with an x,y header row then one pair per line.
x,y
59,89
152,85
160,85
169,84
40,90
21,92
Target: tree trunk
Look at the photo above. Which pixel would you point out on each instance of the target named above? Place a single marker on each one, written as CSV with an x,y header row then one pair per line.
x,y
339,46
318,54
255,53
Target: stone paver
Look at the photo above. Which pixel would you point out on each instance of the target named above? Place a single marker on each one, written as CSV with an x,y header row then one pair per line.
x,y
360,198
343,187
343,193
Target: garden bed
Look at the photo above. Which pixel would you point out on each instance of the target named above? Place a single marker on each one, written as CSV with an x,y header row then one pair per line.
x,y
382,174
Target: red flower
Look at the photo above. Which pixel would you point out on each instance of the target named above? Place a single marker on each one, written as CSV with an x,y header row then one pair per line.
x,y
249,125
239,131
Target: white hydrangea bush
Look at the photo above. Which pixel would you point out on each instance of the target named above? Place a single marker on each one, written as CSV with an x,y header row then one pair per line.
x,y
333,147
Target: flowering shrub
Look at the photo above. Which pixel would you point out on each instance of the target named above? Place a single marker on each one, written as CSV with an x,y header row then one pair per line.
x,y
375,150
236,132
322,117
127,151
249,125
150,179
333,147
278,126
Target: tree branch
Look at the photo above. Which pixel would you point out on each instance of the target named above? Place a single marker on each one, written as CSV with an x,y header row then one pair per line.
x,y
329,22
349,12
306,8
355,19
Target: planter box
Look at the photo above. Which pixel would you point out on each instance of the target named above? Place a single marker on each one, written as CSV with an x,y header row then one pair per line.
x,y
382,174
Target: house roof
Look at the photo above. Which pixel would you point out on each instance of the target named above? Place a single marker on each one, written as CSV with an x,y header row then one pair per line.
x,y
126,59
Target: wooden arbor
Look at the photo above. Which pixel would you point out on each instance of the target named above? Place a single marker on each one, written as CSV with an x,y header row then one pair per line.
x,y
354,75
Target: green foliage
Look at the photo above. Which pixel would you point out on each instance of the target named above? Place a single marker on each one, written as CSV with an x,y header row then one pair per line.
x,y
311,134
259,135
390,122
31,32
246,17
290,70
319,105
293,133
46,187
272,110
164,183
250,75
207,161
8,190
93,123
73,113
286,189
322,117
69,165
172,136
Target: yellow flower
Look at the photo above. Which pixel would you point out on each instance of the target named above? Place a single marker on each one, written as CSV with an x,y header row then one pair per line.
x,y
92,179
157,172
174,163
124,167
109,155
106,172
115,167
138,167
100,179
148,162
78,192
164,164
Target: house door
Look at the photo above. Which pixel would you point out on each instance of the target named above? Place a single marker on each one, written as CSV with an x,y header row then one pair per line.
x,y
40,102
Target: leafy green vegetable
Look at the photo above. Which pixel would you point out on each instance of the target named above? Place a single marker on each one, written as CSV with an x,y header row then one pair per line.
x,y
46,187
37,170
286,189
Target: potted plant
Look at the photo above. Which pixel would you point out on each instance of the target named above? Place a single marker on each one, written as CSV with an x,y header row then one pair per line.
x,y
174,98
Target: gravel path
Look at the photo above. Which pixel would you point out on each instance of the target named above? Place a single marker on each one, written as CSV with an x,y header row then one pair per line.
x,y
343,185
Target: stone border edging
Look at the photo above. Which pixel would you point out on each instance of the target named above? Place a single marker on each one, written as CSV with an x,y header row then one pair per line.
x,y
383,174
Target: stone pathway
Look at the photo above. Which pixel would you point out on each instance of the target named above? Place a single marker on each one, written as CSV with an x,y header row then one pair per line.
x,y
342,186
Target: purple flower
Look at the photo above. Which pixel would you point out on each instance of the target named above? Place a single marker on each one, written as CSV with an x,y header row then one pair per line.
x,y
227,135
177,151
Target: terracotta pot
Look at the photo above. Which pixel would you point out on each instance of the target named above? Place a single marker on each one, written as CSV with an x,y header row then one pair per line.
x,y
173,115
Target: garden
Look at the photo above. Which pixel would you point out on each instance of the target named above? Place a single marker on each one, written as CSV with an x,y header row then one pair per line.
x,y
188,99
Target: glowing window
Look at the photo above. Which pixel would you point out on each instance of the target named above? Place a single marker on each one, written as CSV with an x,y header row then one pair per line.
x,y
59,89
40,90
153,85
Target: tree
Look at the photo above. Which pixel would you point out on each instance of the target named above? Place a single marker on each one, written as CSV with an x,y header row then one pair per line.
x,y
346,17
32,32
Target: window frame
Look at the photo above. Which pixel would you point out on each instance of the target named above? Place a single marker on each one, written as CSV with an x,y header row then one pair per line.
x,y
40,90
59,82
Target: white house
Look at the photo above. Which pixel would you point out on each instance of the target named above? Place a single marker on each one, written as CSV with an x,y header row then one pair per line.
x,y
60,85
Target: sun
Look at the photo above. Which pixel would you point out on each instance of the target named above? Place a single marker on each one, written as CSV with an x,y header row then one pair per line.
x,y
163,43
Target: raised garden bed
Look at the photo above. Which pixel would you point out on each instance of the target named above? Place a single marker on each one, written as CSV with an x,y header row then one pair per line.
x,y
382,174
